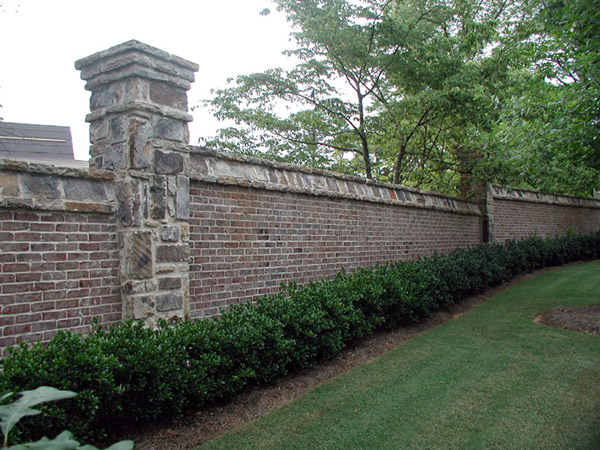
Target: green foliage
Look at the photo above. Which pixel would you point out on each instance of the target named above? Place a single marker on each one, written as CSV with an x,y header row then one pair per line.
x,y
130,374
492,379
12,413
67,362
548,134
433,94
66,441
383,89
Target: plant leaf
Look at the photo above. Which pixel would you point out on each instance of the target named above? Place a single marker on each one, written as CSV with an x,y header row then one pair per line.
x,y
122,445
12,413
64,441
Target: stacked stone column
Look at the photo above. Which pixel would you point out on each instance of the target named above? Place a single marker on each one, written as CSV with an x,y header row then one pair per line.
x,y
138,130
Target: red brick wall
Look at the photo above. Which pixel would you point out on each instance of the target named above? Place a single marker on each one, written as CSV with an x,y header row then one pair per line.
x,y
57,271
514,219
245,241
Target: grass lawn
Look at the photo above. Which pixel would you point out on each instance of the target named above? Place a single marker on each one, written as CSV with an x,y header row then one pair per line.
x,y
490,379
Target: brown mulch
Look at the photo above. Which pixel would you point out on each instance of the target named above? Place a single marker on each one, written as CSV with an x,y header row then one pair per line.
x,y
212,421
574,318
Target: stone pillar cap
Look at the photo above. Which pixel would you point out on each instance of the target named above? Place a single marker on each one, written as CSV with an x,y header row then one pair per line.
x,y
134,58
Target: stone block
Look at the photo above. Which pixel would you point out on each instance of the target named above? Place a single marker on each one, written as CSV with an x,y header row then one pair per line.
x,y
172,186
141,307
45,186
169,283
118,129
113,157
183,198
137,255
169,302
168,95
172,253
168,163
171,129
98,130
332,185
185,232
170,233
134,287
129,202
135,89
140,149
9,185
158,197
84,189
103,98
200,166
17,202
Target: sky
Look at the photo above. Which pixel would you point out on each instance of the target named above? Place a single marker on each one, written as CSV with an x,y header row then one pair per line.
x,y
40,40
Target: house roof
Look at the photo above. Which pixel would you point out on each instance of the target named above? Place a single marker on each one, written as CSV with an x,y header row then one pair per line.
x,y
29,142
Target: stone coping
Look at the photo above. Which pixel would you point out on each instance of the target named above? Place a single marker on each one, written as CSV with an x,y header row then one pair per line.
x,y
527,195
48,187
134,54
60,205
56,168
233,169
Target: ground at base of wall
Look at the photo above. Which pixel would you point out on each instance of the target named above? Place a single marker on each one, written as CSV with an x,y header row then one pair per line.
x,y
582,318
211,422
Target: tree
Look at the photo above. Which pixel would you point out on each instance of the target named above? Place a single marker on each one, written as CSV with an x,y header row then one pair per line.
x,y
387,89
329,90
420,92
548,135
448,82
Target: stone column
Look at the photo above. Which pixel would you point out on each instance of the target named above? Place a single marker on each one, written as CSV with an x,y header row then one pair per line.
x,y
139,130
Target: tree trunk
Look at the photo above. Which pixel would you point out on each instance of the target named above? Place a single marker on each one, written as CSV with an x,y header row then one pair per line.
x,y
398,166
366,156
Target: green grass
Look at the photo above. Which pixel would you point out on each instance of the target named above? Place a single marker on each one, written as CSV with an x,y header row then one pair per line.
x,y
489,379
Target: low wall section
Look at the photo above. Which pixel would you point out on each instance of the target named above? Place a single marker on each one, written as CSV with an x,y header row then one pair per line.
x,y
518,213
255,224
58,251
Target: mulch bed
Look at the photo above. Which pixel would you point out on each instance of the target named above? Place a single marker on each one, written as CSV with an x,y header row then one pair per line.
x,y
575,318
212,421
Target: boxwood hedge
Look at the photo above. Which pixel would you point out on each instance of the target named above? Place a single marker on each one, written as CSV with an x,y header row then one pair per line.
x,y
131,374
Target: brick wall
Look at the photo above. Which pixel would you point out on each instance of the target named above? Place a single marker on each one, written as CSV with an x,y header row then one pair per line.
x,y
57,271
247,240
518,213
253,225
59,255
157,229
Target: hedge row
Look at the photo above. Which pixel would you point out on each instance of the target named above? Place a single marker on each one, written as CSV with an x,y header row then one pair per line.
x,y
131,374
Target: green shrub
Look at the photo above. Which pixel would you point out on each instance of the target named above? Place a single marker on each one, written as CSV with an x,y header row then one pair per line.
x,y
67,362
151,372
130,374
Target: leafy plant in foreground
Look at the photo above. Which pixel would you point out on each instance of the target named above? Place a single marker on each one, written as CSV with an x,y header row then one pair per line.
x,y
11,413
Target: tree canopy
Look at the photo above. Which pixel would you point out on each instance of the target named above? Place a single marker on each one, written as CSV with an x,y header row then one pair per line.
x,y
428,92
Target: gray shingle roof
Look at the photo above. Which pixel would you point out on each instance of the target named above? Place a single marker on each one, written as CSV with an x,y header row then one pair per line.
x,y
35,142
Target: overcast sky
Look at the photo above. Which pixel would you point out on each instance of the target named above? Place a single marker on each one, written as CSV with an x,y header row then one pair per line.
x,y
41,39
